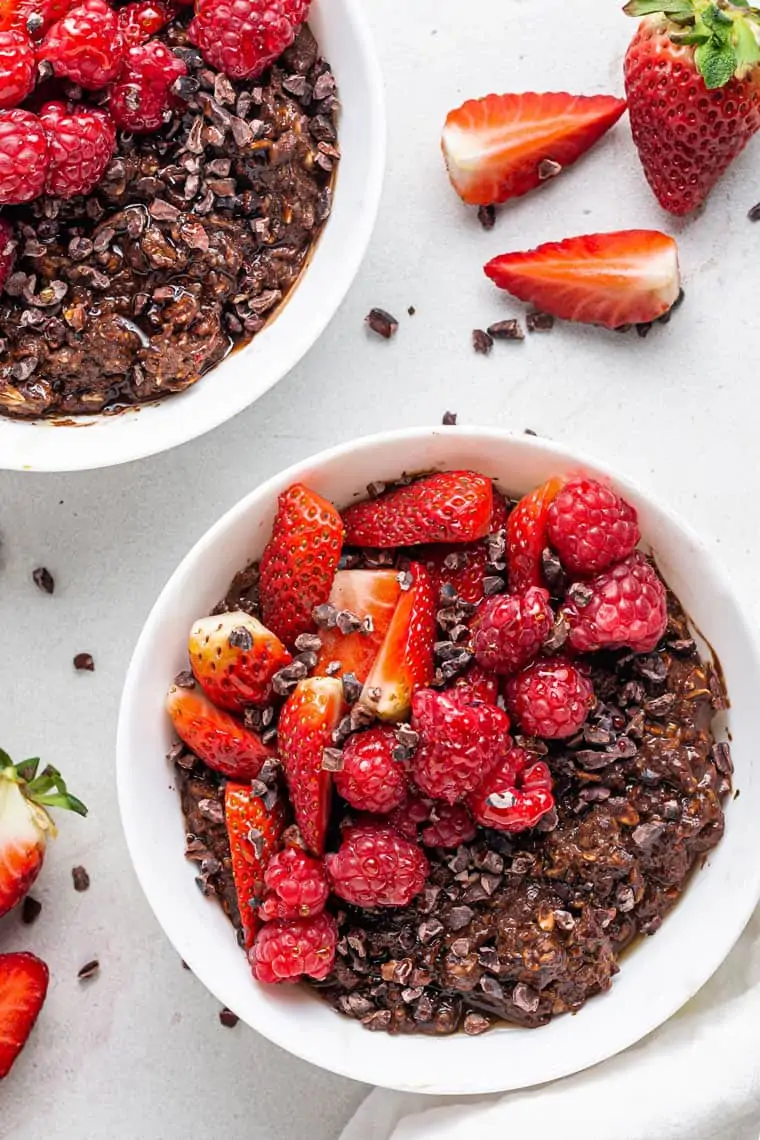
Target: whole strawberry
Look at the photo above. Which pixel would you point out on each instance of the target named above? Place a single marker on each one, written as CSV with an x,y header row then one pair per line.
x,y
17,67
459,743
375,866
81,142
24,157
692,76
85,45
234,658
242,37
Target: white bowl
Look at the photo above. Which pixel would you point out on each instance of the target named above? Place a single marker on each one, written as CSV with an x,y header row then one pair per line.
x,y
658,975
101,441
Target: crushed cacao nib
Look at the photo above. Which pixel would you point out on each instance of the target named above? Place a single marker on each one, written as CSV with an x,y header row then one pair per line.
x,y
228,1019
506,330
80,878
449,419
382,323
84,662
185,249
754,213
539,322
207,837
43,580
30,910
487,217
481,342
89,970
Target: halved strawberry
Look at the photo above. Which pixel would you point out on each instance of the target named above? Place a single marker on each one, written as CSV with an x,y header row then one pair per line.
x,y
254,832
453,506
234,658
25,824
464,569
219,740
405,661
23,987
305,729
526,536
299,561
502,146
366,593
625,278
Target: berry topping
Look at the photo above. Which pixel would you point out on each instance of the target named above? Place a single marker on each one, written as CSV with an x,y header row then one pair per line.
x,y
234,658
81,144
17,67
287,951
454,506
23,988
624,606
141,100
410,815
515,795
372,779
371,596
24,157
307,721
33,16
254,831
296,884
219,740
242,37
141,19
459,743
375,866
299,562
509,631
550,698
7,252
464,569
591,527
85,45
477,685
526,536
450,825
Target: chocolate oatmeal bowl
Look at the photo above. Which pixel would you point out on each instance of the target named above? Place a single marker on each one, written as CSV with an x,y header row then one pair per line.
x,y
190,226
435,761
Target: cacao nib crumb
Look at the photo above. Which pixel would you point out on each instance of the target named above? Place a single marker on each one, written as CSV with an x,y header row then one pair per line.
x,y
487,217
547,168
43,580
228,1019
481,342
449,419
81,878
539,322
89,970
754,213
30,910
185,680
84,661
411,310
382,323
506,330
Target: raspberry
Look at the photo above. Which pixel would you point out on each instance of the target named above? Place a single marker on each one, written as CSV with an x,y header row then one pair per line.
x,y
375,866
550,698
142,99
287,951
459,743
450,825
515,795
372,779
591,527
628,607
477,685
408,816
17,67
24,157
509,631
296,884
141,19
85,45
7,252
242,37
81,144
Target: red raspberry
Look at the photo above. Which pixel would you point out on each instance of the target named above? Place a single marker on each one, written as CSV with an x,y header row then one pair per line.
x,y
450,825
24,157
628,607
514,796
85,45
371,778
550,698
81,144
297,886
17,67
591,527
375,866
288,951
141,19
407,818
142,100
477,685
7,251
242,37
509,631
459,743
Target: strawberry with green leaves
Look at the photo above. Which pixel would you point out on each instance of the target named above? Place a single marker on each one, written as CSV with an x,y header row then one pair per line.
x,y
692,75
23,988
234,658
254,829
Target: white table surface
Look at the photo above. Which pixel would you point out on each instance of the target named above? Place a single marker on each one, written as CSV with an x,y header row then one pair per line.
x,y
130,1053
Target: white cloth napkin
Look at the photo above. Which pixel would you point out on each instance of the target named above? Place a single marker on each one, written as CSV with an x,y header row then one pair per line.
x,y
695,1078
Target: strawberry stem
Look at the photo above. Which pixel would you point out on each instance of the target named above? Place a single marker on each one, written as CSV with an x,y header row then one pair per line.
x,y
725,34
48,789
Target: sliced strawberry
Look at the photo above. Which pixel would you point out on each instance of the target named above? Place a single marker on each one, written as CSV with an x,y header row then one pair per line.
x,y
505,145
453,506
405,661
254,832
299,562
305,729
500,513
234,658
617,279
526,536
365,593
25,824
23,987
219,740
464,569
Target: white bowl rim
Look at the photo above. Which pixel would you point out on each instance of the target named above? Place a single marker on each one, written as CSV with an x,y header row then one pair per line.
x,y
622,1035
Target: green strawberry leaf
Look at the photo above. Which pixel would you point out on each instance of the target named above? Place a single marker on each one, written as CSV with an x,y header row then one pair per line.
x,y
653,7
716,61
5,760
714,19
746,45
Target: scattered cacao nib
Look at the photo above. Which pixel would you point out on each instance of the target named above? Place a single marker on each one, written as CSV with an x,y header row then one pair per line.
x,y
548,168
228,1019
539,322
487,217
382,323
754,213
43,580
449,419
30,910
332,760
411,310
481,342
506,330
89,970
84,662
184,680
81,878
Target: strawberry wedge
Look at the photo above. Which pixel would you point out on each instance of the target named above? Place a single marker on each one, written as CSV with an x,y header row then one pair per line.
x,y
308,718
625,278
367,594
502,146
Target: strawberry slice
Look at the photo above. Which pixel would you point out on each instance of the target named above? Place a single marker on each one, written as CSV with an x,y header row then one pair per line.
x,y
25,825
234,658
299,562
617,279
219,740
405,661
23,987
502,146
254,831
305,729
526,536
453,506
366,593
464,569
